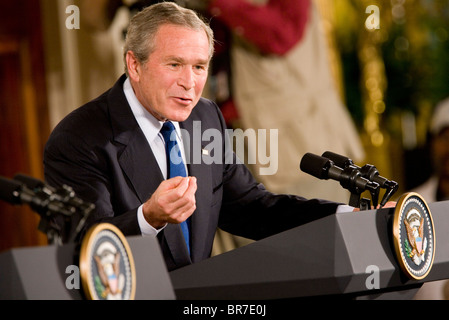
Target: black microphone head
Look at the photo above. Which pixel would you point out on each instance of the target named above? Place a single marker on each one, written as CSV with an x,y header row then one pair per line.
x,y
338,160
30,182
10,191
315,165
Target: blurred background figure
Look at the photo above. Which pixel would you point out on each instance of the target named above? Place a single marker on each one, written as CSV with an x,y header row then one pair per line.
x,y
436,188
279,77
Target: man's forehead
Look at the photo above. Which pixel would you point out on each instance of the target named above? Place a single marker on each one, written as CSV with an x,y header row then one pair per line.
x,y
171,38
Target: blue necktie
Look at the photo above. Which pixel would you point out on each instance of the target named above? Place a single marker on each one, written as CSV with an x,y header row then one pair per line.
x,y
175,166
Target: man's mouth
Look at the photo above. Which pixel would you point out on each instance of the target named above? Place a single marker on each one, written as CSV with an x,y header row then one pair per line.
x,y
184,100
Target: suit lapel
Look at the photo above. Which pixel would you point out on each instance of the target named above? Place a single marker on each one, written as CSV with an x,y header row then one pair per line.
x,y
137,156
136,152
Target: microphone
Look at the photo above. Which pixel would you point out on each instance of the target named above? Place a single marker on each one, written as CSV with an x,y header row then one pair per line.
x,y
15,192
339,160
324,169
46,201
30,182
10,191
368,171
65,196
40,197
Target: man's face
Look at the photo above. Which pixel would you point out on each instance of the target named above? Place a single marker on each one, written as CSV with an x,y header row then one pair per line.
x,y
171,82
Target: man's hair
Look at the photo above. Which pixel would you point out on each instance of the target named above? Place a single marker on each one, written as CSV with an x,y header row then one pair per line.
x,y
144,25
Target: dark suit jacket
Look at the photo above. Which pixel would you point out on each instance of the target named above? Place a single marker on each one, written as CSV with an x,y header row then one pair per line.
x,y
101,152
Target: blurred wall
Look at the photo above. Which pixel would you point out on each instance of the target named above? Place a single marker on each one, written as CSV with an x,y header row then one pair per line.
x,y
80,63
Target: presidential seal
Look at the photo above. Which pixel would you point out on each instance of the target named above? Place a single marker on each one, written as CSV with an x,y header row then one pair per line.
x,y
414,236
106,264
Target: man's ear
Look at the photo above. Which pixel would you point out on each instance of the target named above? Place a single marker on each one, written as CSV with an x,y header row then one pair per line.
x,y
133,66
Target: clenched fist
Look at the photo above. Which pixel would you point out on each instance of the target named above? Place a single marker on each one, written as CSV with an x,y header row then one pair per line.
x,y
172,202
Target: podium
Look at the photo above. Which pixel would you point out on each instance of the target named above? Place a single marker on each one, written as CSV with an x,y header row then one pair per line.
x,y
46,273
337,256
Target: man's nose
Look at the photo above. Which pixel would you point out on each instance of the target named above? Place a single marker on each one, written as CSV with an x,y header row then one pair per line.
x,y
187,78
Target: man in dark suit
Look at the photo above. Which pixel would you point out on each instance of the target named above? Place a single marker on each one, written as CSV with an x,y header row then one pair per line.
x,y
112,154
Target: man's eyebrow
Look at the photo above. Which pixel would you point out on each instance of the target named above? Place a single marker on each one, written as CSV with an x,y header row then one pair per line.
x,y
174,58
182,60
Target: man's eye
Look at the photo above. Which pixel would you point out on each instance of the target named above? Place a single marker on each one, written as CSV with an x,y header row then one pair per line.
x,y
200,68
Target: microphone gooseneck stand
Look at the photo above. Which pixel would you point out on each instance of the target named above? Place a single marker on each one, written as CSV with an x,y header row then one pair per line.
x,y
51,204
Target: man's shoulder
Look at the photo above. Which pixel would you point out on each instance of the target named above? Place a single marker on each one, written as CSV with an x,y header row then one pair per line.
x,y
205,108
206,103
84,116
95,111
